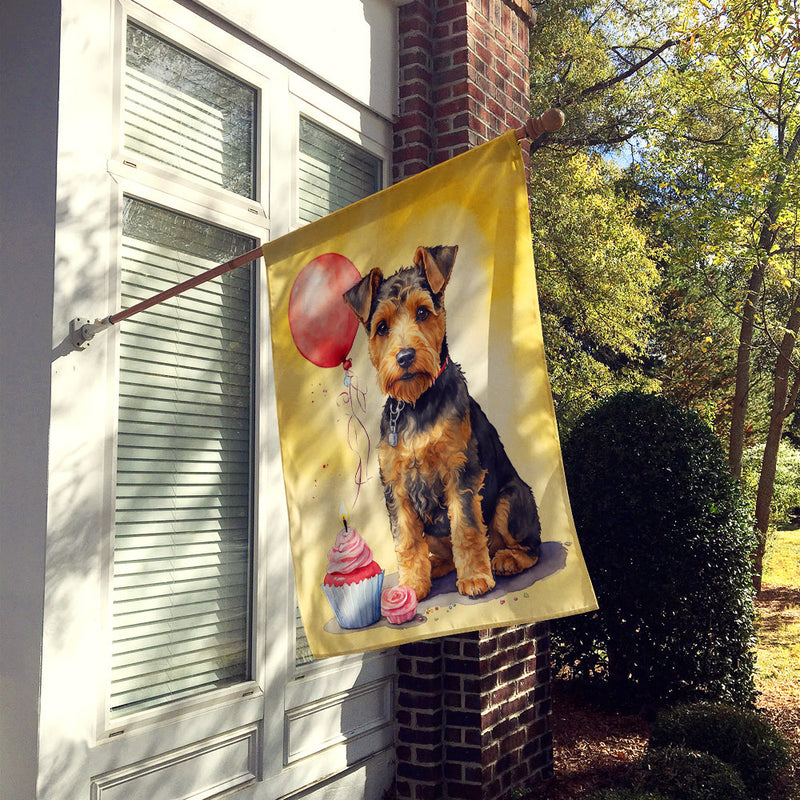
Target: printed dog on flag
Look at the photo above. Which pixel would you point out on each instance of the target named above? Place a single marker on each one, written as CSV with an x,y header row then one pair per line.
x,y
454,499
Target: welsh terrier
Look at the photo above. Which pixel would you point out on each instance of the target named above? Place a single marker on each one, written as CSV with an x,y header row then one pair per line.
x,y
454,499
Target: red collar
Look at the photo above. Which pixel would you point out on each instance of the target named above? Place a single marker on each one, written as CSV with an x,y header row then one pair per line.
x,y
441,370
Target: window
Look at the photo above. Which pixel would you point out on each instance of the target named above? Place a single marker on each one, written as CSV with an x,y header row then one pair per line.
x,y
332,173
186,114
169,640
183,524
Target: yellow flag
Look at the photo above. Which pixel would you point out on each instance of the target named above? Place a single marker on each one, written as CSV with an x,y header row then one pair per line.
x,y
359,533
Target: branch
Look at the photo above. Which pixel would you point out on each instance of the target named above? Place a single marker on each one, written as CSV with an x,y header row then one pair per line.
x,y
601,86
720,140
591,139
785,251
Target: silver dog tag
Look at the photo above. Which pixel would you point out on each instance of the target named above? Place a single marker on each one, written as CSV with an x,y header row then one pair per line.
x,y
394,413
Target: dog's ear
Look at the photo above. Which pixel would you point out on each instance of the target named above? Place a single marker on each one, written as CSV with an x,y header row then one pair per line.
x,y
438,264
359,297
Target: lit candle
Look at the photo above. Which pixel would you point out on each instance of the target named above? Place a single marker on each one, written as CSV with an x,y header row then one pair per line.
x,y
343,514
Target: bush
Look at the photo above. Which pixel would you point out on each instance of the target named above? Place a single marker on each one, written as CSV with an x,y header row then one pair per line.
x,y
743,739
667,543
683,774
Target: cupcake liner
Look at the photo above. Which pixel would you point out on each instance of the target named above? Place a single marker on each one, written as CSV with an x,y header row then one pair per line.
x,y
356,605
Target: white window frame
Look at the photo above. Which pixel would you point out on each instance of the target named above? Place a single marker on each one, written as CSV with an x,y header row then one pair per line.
x,y
280,695
137,177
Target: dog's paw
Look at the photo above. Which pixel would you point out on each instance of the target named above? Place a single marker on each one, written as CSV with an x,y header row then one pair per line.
x,y
421,588
475,586
511,562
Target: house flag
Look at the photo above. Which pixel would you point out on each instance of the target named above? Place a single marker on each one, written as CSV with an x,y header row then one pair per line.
x,y
421,461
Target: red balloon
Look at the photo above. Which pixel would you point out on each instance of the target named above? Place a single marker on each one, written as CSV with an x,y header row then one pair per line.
x,y
322,324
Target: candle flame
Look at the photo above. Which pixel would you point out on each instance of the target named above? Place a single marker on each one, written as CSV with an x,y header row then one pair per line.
x,y
343,514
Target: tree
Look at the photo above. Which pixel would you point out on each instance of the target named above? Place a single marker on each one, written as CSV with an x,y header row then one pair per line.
x,y
726,147
705,95
597,60
597,279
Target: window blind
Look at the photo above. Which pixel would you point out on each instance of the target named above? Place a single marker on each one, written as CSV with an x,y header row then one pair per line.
x,y
187,114
182,540
332,173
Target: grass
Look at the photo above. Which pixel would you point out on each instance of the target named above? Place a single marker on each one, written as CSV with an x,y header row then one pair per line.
x,y
778,625
782,559
778,648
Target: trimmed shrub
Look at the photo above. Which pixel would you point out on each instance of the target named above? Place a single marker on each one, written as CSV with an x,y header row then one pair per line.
x,y
743,739
667,543
683,774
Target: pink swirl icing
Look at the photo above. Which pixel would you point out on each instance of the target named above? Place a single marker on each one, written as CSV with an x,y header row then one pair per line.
x,y
349,552
399,604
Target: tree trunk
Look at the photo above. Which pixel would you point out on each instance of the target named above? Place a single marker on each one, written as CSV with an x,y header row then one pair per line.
x,y
784,398
742,388
766,240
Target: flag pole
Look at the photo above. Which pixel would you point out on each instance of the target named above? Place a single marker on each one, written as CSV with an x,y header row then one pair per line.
x,y
534,127
82,331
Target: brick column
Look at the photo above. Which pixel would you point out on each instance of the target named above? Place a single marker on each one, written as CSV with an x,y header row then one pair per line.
x,y
473,711
473,714
463,77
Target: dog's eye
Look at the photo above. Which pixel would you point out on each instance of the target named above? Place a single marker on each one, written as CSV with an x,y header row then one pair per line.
x,y
422,314
382,329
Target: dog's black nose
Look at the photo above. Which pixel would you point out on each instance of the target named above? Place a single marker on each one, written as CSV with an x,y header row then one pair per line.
x,y
405,358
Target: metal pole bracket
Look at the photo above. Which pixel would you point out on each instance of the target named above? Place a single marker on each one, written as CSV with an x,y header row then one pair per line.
x,y
82,330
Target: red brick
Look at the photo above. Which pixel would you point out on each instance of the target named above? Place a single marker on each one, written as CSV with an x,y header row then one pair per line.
x,y
453,773
417,103
452,107
414,88
430,773
416,73
442,93
429,719
442,62
453,140
454,12
415,39
461,791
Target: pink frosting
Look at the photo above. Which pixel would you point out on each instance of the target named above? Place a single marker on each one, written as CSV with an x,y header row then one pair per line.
x,y
399,604
349,552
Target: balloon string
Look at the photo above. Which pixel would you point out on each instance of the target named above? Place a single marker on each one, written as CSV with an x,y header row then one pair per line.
x,y
355,398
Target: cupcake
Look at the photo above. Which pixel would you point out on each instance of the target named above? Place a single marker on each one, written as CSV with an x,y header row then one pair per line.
x,y
353,581
399,604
